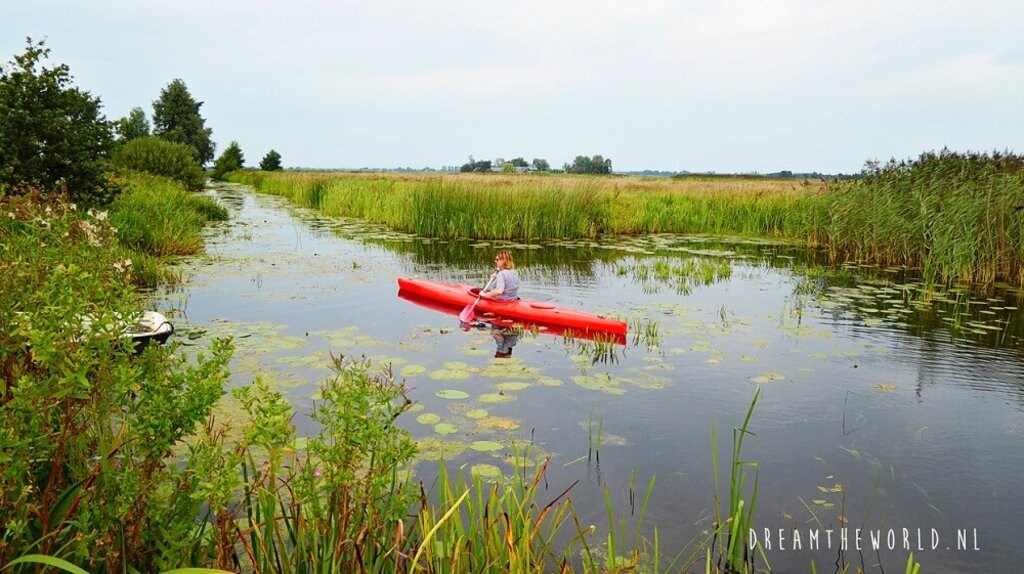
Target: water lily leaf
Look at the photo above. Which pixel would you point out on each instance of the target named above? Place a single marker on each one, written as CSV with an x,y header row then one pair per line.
x,y
498,423
445,428
748,358
496,398
412,370
433,448
549,382
476,414
415,408
428,419
452,394
486,471
449,375
512,386
885,387
485,445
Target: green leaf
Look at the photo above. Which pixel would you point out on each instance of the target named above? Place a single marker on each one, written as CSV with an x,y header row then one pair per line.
x,y
60,509
51,561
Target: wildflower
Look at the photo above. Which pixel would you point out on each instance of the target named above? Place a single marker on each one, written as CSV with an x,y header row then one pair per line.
x,y
316,473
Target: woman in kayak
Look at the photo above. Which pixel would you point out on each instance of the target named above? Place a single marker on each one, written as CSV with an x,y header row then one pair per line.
x,y
505,279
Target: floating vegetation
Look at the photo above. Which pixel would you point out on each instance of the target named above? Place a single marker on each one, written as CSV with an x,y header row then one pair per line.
x,y
485,446
433,448
486,472
512,386
885,387
476,414
452,394
602,382
768,377
445,428
428,419
412,370
498,423
496,398
449,375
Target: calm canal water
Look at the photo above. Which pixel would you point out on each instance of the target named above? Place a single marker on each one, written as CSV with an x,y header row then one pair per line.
x,y
879,410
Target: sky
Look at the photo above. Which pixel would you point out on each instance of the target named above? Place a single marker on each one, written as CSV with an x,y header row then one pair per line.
x,y
721,86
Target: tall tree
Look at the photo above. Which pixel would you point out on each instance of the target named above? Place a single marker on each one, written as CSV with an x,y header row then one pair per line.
x,y
133,126
52,134
176,118
541,164
230,160
584,164
271,161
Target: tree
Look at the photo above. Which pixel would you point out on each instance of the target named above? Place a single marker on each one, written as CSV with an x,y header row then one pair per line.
x,y
541,164
519,162
271,161
176,118
584,164
135,125
231,160
476,166
52,134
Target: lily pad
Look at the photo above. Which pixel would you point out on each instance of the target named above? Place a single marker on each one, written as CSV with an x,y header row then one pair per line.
x,y
885,387
477,414
549,382
445,428
428,419
486,446
455,366
499,423
512,386
412,370
452,394
449,375
433,448
496,398
488,471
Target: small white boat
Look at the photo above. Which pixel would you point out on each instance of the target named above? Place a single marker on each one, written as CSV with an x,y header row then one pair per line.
x,y
149,327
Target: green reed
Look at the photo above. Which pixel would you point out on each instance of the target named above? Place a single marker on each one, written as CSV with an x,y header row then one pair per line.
x,y
955,217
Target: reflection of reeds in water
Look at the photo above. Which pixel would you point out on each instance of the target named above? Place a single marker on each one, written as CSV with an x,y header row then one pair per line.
x,y
602,348
682,275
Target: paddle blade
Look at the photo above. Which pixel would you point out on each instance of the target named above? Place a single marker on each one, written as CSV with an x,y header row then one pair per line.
x,y
466,315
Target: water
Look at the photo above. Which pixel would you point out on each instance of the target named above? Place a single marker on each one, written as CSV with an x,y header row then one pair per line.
x,y
878,411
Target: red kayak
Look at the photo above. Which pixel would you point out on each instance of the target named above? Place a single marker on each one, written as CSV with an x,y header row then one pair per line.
x,y
453,297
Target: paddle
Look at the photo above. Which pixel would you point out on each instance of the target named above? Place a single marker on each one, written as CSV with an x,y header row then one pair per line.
x,y
467,312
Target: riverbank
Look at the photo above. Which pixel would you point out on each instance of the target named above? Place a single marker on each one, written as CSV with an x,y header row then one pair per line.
x,y
954,218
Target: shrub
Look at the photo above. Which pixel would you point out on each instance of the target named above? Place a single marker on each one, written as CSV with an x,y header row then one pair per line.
x,y
160,157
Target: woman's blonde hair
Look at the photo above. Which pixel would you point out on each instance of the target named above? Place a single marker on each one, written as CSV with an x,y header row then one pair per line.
x,y
507,258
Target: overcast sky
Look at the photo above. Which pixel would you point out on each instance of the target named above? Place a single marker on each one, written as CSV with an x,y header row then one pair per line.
x,y
724,85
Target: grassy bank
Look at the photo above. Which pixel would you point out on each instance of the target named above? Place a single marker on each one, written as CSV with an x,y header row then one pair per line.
x,y
536,208
955,217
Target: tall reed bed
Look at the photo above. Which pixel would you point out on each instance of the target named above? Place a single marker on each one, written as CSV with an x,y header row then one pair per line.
x,y
538,208
957,217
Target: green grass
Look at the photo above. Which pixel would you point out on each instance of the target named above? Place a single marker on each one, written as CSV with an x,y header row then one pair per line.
x,y
954,217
